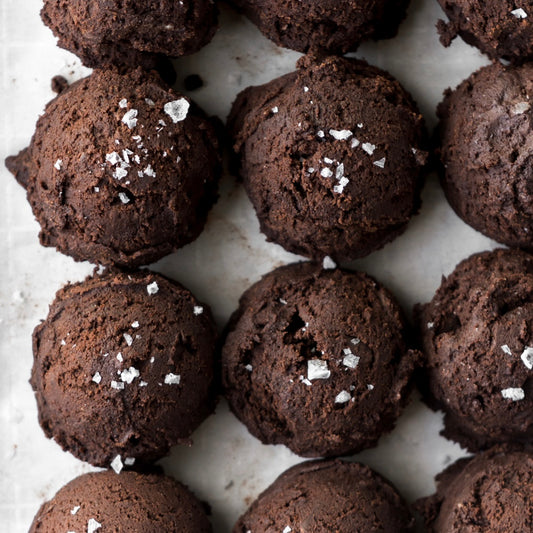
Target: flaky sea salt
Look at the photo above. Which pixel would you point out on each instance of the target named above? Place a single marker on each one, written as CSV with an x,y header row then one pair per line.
x,y
328,263
135,324
130,118
368,148
350,360
519,13
75,509
123,197
326,172
317,369
58,164
93,525
129,374
506,349
527,357
340,135
343,397
123,103
128,338
198,310
513,393
97,378
152,288
172,379
177,110
118,385
380,163
116,464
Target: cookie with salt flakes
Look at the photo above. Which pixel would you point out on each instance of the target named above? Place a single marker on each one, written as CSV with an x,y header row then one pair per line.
x,y
103,501
123,368
317,359
121,170
331,156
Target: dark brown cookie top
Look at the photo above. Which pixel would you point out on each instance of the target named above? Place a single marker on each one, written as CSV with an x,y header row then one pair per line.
x,y
499,28
330,156
327,496
486,142
123,366
491,492
331,26
317,360
121,170
130,32
478,339
129,502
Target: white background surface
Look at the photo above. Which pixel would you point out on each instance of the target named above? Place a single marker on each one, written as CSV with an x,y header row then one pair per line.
x,y
225,466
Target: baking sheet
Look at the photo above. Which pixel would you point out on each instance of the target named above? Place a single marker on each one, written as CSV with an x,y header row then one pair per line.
x,y
225,466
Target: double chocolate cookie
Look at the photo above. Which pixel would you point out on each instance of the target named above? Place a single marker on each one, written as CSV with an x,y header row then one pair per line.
x,y
486,142
326,496
130,32
130,502
317,360
500,29
331,157
490,492
332,26
121,170
478,339
123,367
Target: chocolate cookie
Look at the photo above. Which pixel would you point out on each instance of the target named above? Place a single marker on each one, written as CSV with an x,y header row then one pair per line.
x,y
123,367
500,29
334,26
327,496
131,502
130,32
317,360
478,339
330,156
485,139
490,492
121,170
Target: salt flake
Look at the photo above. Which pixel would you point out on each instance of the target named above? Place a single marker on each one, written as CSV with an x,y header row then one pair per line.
x,y
317,369
130,118
177,110
328,263
340,135
172,379
343,397
527,357
513,393
116,464
519,13
152,288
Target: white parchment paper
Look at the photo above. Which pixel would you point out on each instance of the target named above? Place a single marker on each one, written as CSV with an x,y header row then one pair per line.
x,y
225,466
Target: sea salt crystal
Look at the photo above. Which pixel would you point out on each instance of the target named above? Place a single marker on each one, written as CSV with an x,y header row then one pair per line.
x,y
149,171
58,164
75,509
288,529
118,385
519,13
368,148
93,525
355,143
116,464
320,133
123,103
328,263
130,118
317,369
119,357
513,393
343,397
350,360
506,349
128,338
275,109
150,102
520,108
172,379
198,310
97,378
152,288
135,324
123,197
380,163
129,461
177,110
340,187
248,367
129,374
527,357
340,135
326,173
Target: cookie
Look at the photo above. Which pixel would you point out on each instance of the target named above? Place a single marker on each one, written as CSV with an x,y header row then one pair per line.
x,y
317,360
332,26
104,501
500,29
491,492
123,367
331,157
477,336
121,170
325,496
485,134
130,32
